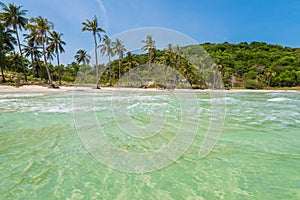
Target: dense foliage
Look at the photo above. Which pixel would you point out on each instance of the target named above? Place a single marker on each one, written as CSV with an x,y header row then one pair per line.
x,y
268,65
253,66
31,61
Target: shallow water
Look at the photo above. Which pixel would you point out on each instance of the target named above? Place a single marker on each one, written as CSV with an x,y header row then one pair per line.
x,y
256,157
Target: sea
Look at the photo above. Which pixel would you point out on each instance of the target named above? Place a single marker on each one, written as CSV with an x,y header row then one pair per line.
x,y
150,145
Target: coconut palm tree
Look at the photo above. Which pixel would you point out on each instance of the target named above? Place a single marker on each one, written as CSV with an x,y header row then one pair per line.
x,y
14,60
106,49
39,27
50,53
130,62
33,51
269,75
166,59
7,42
56,43
13,16
176,52
119,49
150,47
92,26
82,57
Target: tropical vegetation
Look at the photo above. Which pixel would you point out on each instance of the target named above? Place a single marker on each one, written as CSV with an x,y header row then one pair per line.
x,y
30,61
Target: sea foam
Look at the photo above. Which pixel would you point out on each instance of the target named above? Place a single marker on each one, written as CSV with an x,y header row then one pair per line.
x,y
279,99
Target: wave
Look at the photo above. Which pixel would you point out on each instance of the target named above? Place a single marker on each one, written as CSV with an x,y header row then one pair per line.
x,y
224,100
18,95
279,99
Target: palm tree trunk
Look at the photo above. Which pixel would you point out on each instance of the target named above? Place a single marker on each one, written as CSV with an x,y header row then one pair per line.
x,y
149,62
96,57
41,72
15,66
45,60
110,73
2,73
39,67
119,68
21,53
176,68
59,75
32,63
130,66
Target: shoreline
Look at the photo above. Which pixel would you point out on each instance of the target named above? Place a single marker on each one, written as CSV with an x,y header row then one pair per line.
x,y
66,89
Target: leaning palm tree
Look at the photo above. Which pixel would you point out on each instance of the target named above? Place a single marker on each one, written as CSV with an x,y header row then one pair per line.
x,y
119,49
106,49
92,26
57,43
39,27
82,57
13,16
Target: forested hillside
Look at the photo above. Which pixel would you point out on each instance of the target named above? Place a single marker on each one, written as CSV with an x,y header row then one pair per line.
x,y
257,63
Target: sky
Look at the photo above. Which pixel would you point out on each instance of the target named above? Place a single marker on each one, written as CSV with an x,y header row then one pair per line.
x,y
215,21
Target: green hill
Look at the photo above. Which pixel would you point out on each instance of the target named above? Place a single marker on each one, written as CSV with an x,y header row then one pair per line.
x,y
255,65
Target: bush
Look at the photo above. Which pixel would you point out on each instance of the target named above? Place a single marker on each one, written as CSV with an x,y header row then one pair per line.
x,y
197,87
68,78
250,75
252,84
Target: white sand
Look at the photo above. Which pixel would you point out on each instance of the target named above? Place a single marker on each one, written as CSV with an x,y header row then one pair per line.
x,y
62,89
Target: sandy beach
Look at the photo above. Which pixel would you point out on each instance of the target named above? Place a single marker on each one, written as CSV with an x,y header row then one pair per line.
x,y
64,89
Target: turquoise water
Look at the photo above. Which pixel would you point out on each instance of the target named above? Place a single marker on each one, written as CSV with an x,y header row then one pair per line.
x,y
256,157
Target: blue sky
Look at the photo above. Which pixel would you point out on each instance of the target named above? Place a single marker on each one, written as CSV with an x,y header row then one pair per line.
x,y
273,21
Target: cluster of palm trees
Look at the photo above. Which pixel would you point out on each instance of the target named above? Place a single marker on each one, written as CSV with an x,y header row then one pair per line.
x,y
110,49
42,43
107,48
40,40
170,56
